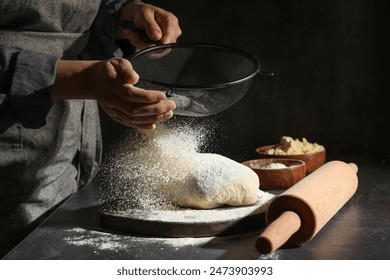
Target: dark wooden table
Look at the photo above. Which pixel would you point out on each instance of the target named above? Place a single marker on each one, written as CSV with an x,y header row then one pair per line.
x,y
360,230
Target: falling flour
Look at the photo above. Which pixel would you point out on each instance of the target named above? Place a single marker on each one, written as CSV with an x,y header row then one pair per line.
x,y
140,168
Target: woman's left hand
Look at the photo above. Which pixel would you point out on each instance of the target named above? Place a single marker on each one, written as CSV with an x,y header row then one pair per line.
x,y
159,24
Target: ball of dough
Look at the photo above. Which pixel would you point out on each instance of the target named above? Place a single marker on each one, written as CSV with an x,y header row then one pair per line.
x,y
216,181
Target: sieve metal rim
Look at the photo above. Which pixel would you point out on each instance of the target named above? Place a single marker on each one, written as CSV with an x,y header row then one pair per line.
x,y
246,54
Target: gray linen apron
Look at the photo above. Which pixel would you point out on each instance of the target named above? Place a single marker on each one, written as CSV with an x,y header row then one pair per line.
x,y
40,167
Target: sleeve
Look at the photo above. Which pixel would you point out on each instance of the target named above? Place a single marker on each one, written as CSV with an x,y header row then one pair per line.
x,y
102,43
26,78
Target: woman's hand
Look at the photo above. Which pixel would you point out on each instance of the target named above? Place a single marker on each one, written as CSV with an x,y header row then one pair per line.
x,y
160,25
111,82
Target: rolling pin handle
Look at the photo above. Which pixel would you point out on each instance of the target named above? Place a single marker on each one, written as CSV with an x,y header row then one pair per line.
x,y
278,232
354,167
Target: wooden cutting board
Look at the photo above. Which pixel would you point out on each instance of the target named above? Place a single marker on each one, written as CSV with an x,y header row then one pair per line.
x,y
185,222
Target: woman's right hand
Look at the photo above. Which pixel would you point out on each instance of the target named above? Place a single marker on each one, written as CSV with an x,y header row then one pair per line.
x,y
111,83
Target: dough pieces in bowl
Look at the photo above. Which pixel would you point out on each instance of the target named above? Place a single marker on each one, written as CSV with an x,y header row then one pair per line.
x,y
215,181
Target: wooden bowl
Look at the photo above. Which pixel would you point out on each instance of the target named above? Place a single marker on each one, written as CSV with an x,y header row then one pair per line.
x,y
312,160
280,178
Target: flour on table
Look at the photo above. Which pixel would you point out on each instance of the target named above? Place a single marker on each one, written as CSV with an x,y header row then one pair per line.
x,y
103,241
110,245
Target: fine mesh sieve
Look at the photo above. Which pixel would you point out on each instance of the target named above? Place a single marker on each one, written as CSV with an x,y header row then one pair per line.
x,y
202,78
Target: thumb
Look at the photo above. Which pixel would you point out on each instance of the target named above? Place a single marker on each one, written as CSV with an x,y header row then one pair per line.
x,y
151,27
124,70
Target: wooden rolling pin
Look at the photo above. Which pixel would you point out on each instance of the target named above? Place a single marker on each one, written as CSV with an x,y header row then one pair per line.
x,y
296,215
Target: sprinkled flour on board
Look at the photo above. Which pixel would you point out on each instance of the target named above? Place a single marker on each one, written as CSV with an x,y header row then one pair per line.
x,y
196,216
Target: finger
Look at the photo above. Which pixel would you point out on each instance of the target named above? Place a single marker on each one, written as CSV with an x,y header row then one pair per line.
x,y
118,115
146,103
130,93
171,30
136,41
145,110
150,25
136,120
121,78
124,70
146,126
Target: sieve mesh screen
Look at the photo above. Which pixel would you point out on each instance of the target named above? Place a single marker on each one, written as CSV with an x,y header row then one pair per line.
x,y
202,79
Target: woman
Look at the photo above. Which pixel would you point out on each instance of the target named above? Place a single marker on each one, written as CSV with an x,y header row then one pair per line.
x,y
50,142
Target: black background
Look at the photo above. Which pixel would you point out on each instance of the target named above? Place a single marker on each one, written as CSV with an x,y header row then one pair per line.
x,y
329,60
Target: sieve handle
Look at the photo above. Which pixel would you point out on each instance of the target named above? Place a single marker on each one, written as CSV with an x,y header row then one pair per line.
x,y
266,72
127,24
